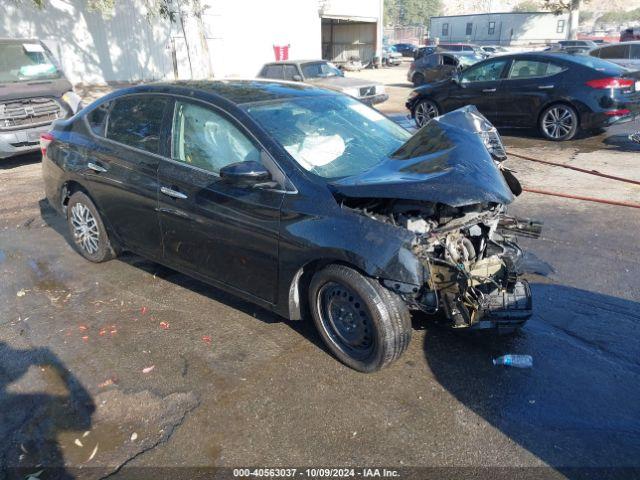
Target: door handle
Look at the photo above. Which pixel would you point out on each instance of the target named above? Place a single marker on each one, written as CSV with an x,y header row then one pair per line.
x,y
545,87
489,90
96,168
172,193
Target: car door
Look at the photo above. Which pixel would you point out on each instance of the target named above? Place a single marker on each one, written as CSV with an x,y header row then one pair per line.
x,y
211,228
478,85
529,85
122,164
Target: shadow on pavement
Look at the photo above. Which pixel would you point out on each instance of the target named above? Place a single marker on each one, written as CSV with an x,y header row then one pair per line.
x,y
18,161
306,329
30,422
575,409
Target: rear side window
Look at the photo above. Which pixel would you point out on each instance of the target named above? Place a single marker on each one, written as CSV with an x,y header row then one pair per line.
x,y
97,118
447,60
615,51
635,51
272,71
533,68
135,121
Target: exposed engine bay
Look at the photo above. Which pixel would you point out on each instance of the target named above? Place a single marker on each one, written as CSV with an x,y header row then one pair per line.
x,y
471,256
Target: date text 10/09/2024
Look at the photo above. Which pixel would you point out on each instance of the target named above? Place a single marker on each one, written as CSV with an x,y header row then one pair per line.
x,y
315,472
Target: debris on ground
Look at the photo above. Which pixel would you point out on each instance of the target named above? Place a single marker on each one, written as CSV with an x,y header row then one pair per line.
x,y
108,382
21,293
148,369
93,454
134,436
206,339
518,361
144,310
78,442
164,325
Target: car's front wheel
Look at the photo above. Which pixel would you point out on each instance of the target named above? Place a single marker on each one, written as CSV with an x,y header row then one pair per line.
x,y
87,229
364,324
424,111
559,122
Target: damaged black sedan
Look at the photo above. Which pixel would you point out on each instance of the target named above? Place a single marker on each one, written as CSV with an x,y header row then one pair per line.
x,y
301,200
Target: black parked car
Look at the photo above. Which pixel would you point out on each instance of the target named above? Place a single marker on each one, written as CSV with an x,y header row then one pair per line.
x,y
298,199
558,93
406,49
439,66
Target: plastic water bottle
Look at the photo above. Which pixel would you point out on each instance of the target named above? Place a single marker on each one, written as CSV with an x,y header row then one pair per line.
x,y
518,361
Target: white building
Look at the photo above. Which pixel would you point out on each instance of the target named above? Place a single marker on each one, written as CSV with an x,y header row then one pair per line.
x,y
513,28
229,38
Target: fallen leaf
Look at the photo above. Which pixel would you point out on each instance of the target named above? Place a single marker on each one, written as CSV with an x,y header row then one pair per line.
x,y
144,310
93,454
134,436
148,369
164,325
78,442
83,328
85,434
106,383
206,339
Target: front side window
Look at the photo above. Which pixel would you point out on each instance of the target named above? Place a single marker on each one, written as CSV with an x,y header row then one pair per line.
x,y
486,72
560,26
330,136
320,70
492,28
203,138
445,29
290,71
135,121
533,68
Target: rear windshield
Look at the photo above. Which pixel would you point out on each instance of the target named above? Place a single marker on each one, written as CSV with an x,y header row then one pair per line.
x,y
21,62
598,64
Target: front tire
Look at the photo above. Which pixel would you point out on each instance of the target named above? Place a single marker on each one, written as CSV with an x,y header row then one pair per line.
x,y
87,230
366,326
559,122
425,110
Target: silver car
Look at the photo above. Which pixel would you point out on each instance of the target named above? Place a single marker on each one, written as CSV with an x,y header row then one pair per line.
x,y
626,54
322,73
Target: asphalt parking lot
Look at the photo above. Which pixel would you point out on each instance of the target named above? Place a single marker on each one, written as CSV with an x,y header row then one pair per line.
x,y
130,364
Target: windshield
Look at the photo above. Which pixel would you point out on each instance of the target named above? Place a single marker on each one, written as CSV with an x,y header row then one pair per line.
x,y
25,61
330,136
320,70
466,60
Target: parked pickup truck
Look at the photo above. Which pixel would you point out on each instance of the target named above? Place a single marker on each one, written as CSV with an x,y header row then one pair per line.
x,y
33,93
324,74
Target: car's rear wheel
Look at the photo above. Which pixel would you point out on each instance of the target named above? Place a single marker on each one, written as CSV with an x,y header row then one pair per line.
x,y
418,79
87,229
425,110
364,324
559,122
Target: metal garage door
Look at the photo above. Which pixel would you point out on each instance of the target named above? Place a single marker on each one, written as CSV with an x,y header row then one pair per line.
x,y
342,39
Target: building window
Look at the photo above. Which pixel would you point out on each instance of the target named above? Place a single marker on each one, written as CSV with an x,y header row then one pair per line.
x,y
469,28
560,28
492,28
445,29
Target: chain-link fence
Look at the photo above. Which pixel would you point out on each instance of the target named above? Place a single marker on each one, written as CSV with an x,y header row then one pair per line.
x,y
415,35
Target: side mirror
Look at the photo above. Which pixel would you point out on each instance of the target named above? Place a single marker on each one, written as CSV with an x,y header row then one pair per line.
x,y
297,78
245,173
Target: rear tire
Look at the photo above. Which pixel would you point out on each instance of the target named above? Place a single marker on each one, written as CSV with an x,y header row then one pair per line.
x,y
87,230
424,111
366,326
558,122
418,79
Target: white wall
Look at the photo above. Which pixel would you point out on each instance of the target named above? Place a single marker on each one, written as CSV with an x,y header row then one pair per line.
x,y
245,31
90,48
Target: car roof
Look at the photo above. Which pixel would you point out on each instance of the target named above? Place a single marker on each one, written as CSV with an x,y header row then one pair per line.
x,y
297,62
235,91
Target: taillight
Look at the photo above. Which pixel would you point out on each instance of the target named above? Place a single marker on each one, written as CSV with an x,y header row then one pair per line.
x,y
610,82
618,113
45,140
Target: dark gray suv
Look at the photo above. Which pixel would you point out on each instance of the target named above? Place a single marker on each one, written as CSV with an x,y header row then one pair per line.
x,y
33,93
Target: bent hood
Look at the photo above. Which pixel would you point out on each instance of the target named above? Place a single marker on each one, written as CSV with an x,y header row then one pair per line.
x,y
446,162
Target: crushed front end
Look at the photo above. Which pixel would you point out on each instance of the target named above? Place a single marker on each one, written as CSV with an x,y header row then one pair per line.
x,y
448,187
